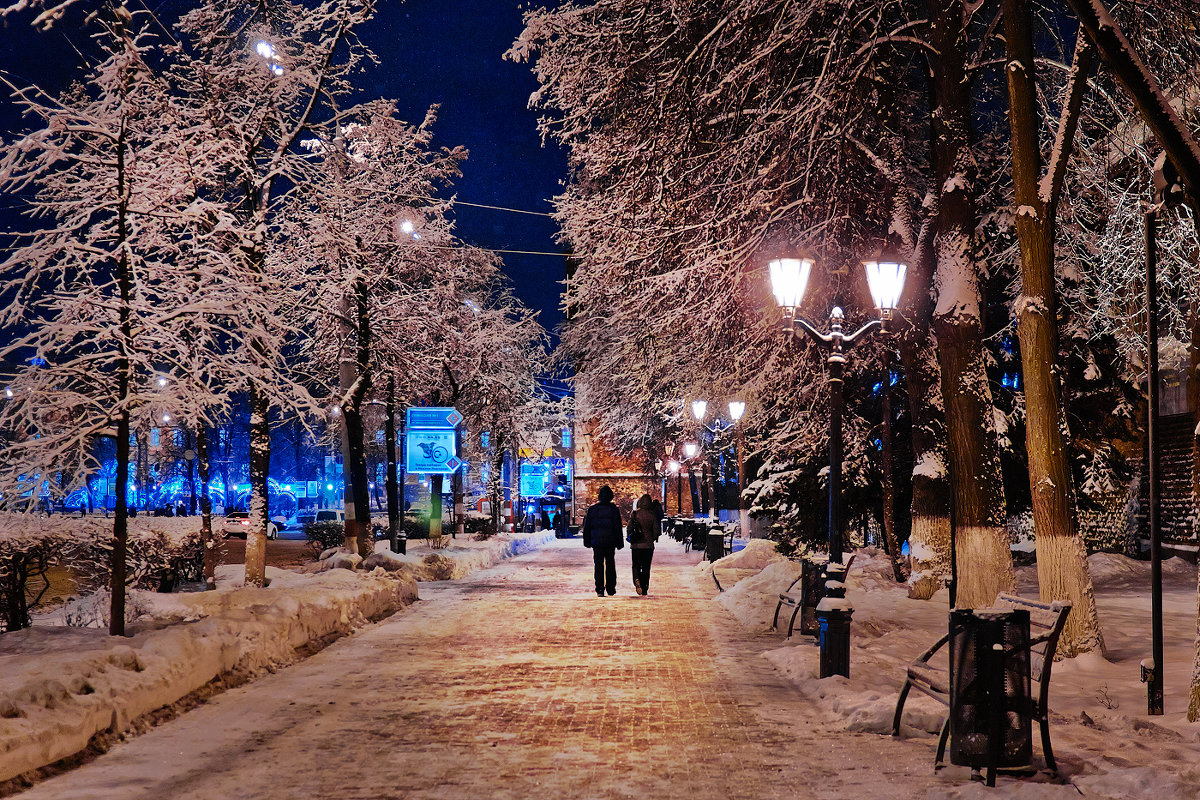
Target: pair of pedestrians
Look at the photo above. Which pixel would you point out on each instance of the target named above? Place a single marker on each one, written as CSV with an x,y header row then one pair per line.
x,y
602,532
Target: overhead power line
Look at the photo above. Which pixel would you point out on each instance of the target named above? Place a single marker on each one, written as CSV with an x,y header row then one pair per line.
x,y
478,205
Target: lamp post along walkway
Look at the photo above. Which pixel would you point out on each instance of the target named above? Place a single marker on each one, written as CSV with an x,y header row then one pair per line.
x,y
789,279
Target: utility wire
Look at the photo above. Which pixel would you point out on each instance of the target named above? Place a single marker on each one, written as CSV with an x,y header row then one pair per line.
x,y
478,205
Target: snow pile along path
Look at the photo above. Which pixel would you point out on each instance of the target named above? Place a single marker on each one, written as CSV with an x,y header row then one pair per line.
x,y
1106,746
61,686
462,557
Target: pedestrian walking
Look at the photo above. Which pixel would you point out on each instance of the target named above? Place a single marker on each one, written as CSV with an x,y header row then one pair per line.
x,y
602,533
645,525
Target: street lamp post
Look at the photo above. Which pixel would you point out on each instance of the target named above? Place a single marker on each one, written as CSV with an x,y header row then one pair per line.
x,y
690,449
789,279
736,409
1166,194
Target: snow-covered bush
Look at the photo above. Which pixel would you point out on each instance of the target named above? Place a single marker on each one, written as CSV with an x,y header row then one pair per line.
x,y
325,534
155,559
25,558
92,610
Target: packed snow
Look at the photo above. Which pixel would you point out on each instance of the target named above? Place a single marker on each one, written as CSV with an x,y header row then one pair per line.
x,y
1105,743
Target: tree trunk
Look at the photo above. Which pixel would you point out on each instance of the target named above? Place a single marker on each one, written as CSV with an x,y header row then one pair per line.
x,y
1062,559
260,464
435,506
211,545
191,468
125,385
392,489
116,622
982,548
929,537
1193,389
456,483
143,470
891,543
354,376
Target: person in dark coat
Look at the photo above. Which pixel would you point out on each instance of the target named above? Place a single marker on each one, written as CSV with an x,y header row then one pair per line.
x,y
644,528
602,533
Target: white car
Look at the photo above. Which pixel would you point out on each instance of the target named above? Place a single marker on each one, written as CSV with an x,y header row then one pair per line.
x,y
237,523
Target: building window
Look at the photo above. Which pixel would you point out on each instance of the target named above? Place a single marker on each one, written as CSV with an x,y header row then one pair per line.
x,y
154,437
566,437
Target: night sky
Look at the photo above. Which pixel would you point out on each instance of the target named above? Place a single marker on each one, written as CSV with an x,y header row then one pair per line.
x,y
447,52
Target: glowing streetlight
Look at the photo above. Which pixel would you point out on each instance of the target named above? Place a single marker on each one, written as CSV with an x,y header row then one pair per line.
x,y
736,409
789,279
690,449
699,409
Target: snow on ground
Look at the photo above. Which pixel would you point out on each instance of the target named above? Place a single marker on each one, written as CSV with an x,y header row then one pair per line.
x,y
1105,744
463,556
62,685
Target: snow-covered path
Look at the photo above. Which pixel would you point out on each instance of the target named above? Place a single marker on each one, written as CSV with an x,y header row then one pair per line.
x,y
518,682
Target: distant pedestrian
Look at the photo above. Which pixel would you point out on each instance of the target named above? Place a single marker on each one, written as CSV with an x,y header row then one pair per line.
x,y
645,525
602,533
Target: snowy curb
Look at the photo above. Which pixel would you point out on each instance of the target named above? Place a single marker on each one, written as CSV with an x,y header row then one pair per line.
x,y
452,563
52,704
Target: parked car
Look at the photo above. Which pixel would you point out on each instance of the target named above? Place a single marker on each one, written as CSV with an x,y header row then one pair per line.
x,y
237,523
329,515
294,527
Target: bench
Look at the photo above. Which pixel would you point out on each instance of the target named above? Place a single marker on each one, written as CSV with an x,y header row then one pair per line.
x,y
797,602
1046,621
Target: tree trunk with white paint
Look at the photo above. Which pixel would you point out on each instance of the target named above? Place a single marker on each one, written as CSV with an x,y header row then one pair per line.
x,y
982,550
1061,556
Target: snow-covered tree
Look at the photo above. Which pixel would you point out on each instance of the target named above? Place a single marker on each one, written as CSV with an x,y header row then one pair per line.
x,y
261,76
98,309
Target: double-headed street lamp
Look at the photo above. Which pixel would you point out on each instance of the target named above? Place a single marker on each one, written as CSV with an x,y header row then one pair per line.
x,y
737,409
789,279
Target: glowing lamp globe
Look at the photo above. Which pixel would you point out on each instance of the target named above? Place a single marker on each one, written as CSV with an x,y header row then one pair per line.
x,y
885,276
699,408
736,409
690,449
789,279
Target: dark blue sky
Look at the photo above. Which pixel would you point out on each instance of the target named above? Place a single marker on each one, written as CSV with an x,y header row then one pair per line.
x,y
447,52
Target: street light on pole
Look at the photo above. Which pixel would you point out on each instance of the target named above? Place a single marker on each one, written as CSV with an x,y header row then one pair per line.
x,y
736,410
789,279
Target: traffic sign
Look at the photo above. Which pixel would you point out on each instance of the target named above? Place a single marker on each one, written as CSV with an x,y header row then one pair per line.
x,y
433,417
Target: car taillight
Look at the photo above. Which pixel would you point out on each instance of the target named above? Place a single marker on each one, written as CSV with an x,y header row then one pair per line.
x,y
246,522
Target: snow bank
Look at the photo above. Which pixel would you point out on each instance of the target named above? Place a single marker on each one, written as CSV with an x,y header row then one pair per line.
x,y
752,600
61,686
463,558
1107,747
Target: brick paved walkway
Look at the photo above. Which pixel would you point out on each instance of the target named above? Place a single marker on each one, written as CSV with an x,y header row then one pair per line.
x,y
518,682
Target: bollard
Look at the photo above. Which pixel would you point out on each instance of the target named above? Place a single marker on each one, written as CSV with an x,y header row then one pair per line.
x,y
833,617
402,542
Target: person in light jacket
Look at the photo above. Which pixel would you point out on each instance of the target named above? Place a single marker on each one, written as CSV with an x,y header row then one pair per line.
x,y
602,533
644,528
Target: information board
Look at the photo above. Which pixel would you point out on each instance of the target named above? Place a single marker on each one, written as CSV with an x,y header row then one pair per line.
x,y
430,450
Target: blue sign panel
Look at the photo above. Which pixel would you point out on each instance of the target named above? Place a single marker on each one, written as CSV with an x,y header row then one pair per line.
x,y
430,450
533,480
433,417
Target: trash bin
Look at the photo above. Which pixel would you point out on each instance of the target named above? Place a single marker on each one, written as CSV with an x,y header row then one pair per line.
x,y
698,539
714,548
402,542
991,710
812,590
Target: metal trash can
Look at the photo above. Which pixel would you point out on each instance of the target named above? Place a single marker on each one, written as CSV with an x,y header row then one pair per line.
x,y
714,548
991,710
812,591
698,537
402,542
